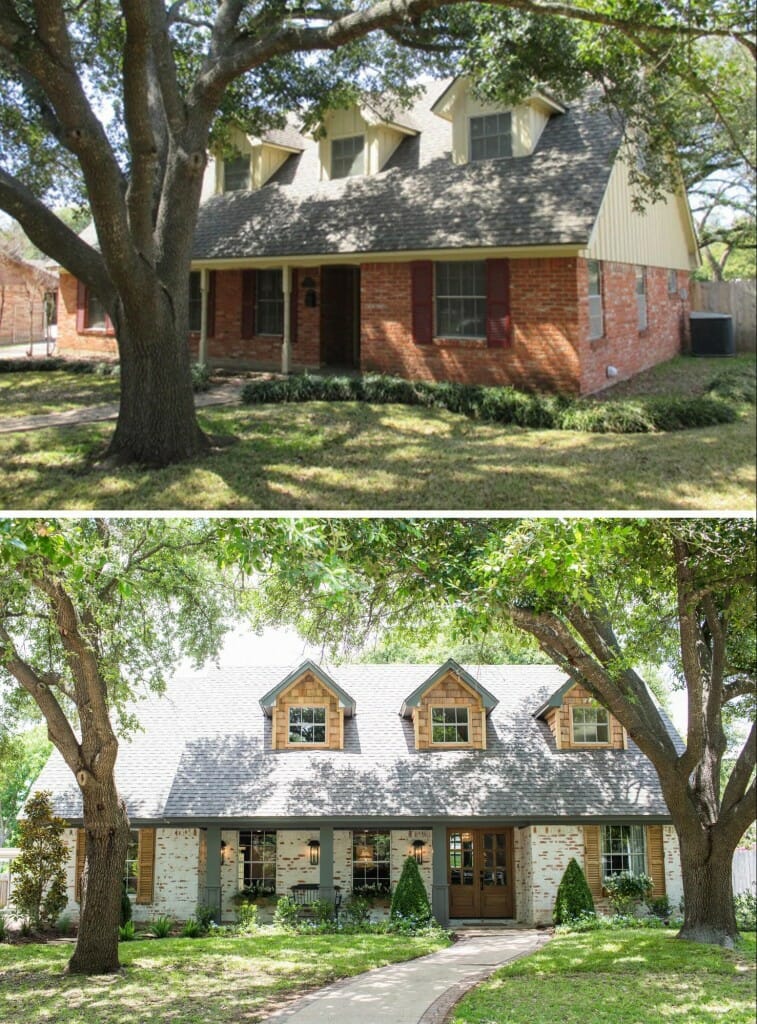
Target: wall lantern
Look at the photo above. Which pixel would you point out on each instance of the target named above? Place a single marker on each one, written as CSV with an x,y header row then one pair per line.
x,y
315,851
418,847
308,282
311,300
224,852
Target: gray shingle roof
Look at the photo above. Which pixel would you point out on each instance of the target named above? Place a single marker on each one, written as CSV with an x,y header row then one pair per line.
x,y
421,200
205,754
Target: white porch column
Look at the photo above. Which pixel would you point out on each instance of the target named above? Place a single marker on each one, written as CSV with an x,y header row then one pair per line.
x,y
286,348
202,354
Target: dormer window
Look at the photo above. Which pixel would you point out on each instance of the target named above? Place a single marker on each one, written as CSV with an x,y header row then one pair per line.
x,y
449,725
590,725
347,156
491,136
307,725
236,173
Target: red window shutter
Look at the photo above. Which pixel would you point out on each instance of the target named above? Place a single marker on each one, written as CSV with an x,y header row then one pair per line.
x,y
248,304
422,274
211,304
498,303
81,307
293,309
109,328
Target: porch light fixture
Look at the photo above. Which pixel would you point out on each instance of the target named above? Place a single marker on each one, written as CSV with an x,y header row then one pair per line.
x,y
315,851
308,282
418,847
224,852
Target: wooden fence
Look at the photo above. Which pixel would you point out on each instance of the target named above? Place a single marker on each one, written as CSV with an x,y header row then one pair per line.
x,y
736,298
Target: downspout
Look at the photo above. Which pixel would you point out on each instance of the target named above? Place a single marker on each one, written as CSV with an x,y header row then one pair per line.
x,y
286,348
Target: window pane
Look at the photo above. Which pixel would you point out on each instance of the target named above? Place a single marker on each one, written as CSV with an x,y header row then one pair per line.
x,y
347,156
461,300
132,863
622,849
236,174
257,860
95,312
371,859
307,725
269,302
490,136
195,301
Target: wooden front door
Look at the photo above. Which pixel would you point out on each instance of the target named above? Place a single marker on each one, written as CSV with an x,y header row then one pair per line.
x,y
340,316
480,872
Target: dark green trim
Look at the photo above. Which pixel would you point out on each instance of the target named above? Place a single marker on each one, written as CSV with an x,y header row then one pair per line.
x,y
450,665
345,701
556,700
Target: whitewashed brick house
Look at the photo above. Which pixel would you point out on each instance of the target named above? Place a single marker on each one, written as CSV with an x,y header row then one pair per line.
x,y
491,777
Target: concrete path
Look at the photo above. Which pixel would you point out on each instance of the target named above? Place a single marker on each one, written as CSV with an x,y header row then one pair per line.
x,y
420,991
223,394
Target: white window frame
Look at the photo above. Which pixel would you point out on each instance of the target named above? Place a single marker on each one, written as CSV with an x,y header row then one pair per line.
x,y
444,293
357,158
587,725
313,724
276,302
455,725
672,280
596,308
131,877
503,133
624,843
265,881
641,298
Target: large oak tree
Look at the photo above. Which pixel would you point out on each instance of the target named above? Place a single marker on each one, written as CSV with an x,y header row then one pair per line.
x,y
602,598
124,98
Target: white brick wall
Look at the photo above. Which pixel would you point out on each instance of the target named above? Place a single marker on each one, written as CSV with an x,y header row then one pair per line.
x,y
673,880
524,910
552,847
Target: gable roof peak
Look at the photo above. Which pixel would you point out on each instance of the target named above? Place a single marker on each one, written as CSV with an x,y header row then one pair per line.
x,y
268,700
488,700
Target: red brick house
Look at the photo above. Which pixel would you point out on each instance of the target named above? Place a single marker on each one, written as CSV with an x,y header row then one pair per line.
x,y
27,299
457,241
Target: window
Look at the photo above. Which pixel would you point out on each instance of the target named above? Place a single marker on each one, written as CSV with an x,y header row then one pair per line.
x,y
257,860
596,315
131,873
622,850
371,860
269,300
236,173
307,725
95,313
590,725
672,282
461,300
449,725
461,858
490,136
347,156
195,301
641,296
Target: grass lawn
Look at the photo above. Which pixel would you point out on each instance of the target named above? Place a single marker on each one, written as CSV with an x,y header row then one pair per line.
x,y
625,977
34,394
355,456
190,981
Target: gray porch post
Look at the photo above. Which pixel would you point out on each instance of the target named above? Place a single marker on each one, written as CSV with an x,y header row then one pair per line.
x,y
439,886
327,863
202,353
286,348
213,871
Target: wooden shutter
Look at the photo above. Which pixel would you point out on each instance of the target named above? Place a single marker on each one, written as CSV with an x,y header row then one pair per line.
x,y
498,303
422,276
656,859
248,304
146,865
211,304
593,859
293,309
81,308
81,853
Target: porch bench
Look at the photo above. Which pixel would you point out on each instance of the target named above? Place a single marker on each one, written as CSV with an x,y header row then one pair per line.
x,y
305,894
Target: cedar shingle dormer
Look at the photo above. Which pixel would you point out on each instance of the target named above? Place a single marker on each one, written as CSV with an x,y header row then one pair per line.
x,y
449,710
307,710
579,722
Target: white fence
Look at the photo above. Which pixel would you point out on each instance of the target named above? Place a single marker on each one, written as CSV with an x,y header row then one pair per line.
x,y
736,298
744,870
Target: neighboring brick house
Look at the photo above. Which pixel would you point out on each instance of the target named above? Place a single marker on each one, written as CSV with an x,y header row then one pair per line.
x,y
28,291
457,241
492,777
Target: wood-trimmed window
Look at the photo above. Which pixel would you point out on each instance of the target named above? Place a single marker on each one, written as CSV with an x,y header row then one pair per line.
x,y
131,870
371,859
450,725
307,725
641,298
596,312
610,849
90,312
491,136
590,725
236,173
348,156
257,860
623,850
139,872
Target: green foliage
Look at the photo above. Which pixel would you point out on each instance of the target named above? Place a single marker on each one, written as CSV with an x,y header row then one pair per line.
x,y
321,912
573,895
48,365
3,929
125,905
745,906
64,924
248,918
204,915
39,876
286,913
737,384
126,932
409,899
161,927
356,912
627,890
503,405
200,377
22,757
191,929
660,907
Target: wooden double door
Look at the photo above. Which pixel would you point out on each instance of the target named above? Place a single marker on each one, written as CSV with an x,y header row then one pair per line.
x,y
480,872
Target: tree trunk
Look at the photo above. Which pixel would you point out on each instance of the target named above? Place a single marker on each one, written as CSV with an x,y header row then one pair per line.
x,y
707,889
106,827
157,423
